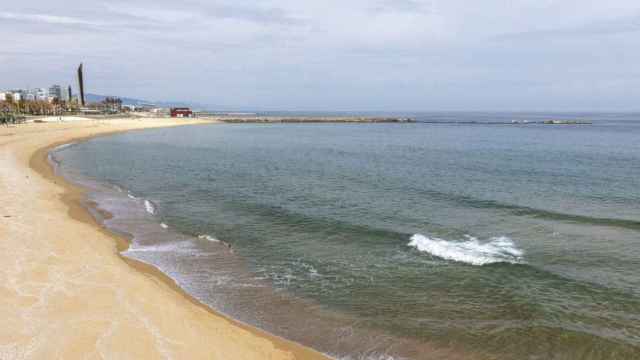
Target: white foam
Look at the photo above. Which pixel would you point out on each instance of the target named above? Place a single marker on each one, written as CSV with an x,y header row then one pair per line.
x,y
165,247
208,238
472,251
368,356
148,205
131,196
310,269
164,226
313,272
63,146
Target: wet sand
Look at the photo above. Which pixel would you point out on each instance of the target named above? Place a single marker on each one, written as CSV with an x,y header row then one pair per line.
x,y
66,292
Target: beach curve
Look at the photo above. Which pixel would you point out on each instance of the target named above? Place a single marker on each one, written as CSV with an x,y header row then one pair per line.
x,y
67,293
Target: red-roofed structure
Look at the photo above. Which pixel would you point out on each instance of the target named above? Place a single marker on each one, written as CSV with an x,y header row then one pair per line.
x,y
181,112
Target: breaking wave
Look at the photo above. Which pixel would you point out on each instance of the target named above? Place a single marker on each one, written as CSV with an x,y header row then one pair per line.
x,y
208,238
170,247
472,251
148,205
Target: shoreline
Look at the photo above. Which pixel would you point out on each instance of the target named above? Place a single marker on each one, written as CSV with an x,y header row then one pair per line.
x,y
73,196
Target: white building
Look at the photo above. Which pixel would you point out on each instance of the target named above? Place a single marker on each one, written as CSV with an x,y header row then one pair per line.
x,y
65,94
55,91
41,94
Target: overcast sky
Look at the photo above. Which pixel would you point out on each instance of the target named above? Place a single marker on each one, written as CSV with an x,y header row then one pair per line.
x,y
334,54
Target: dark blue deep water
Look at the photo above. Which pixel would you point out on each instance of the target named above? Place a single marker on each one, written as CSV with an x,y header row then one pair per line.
x,y
393,240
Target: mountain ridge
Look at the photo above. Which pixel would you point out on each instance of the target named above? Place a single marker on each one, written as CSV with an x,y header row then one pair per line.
x,y
138,102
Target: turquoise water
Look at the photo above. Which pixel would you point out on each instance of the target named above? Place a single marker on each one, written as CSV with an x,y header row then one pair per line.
x,y
396,240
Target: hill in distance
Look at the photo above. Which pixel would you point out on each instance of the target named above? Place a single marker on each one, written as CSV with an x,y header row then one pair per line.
x,y
139,102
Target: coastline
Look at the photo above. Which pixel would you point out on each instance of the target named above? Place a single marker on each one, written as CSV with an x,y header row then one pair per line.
x,y
189,330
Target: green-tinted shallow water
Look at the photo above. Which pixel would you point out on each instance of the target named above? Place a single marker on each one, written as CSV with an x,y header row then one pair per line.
x,y
480,241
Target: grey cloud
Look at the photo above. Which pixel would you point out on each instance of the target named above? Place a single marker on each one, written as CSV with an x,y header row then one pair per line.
x,y
330,54
410,6
49,24
203,11
621,25
46,23
47,19
253,14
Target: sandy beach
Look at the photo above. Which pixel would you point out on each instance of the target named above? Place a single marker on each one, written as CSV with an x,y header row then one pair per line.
x,y
65,291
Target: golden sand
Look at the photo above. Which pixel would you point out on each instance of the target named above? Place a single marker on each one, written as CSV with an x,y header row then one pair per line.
x,y
66,293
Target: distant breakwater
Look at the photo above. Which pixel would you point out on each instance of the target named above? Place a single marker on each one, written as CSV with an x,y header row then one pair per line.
x,y
309,119
544,122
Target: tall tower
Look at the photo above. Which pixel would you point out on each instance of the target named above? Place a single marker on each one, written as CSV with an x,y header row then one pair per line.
x,y
69,94
81,85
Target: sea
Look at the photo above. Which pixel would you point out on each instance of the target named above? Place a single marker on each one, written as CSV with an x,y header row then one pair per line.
x,y
460,236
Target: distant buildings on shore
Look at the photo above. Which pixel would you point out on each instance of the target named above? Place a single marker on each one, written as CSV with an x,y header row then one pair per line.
x,y
57,99
54,93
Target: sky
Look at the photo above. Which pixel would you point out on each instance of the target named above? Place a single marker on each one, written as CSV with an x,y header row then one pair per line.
x,y
357,55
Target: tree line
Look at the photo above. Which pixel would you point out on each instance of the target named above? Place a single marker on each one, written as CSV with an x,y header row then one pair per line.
x,y
55,107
